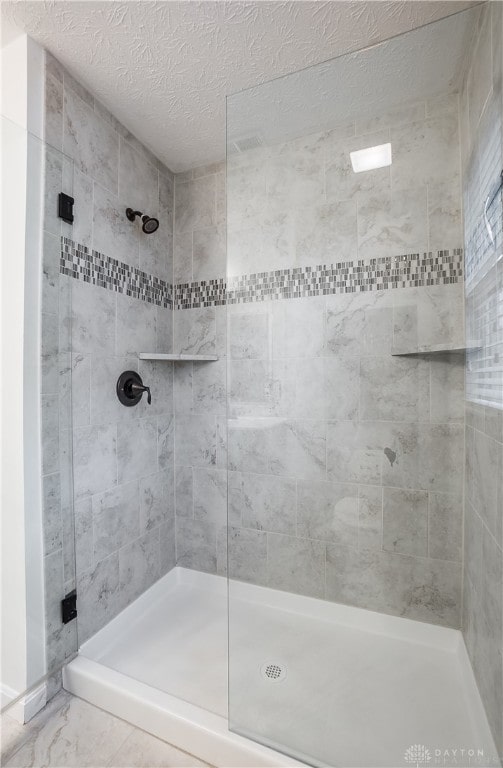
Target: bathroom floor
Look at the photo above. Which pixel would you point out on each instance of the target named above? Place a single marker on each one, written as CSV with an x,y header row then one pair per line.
x,y
351,688
70,733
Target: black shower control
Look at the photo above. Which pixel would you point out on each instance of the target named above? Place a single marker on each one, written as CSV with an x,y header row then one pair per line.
x,y
130,388
65,207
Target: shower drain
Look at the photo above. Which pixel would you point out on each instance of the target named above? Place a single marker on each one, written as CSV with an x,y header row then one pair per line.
x,y
273,671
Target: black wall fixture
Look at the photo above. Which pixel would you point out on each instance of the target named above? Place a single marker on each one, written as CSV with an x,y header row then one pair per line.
x,y
149,223
65,207
130,388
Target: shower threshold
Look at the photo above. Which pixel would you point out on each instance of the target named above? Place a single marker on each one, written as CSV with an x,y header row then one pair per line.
x,y
309,677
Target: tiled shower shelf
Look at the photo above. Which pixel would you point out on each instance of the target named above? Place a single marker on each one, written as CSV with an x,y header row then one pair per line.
x,y
440,349
179,358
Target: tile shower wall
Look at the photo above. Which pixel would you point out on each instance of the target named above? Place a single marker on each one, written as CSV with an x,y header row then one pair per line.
x,y
200,389
345,462
482,151
122,497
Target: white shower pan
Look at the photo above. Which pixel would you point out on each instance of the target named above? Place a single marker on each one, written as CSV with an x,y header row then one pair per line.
x,y
353,687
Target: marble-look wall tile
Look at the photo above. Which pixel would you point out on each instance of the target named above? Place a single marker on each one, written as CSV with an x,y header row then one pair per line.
x,y
263,502
94,459
113,234
184,492
136,326
116,519
53,111
247,553
394,389
51,505
167,545
328,228
195,204
447,388
83,193
91,142
159,377
93,319
342,183
209,388
405,521
343,395
50,434
196,542
195,331
210,495
426,456
138,181
98,591
426,590
370,513
84,547
165,441
156,253
445,523
139,566
328,511
298,327
208,253
425,153
50,272
195,438
53,184
392,223
164,330
296,565
136,449
248,335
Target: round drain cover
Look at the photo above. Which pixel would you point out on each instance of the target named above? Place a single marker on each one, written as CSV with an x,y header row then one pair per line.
x,y
273,671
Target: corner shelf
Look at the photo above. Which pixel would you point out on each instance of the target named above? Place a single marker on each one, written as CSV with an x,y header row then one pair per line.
x,y
177,358
441,349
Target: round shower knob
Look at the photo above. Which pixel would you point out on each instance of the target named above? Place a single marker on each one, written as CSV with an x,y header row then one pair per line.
x,y
130,388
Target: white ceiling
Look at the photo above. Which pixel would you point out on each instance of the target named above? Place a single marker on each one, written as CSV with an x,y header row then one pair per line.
x,y
165,68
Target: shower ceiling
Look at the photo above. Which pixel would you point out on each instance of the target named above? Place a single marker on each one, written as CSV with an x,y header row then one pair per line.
x,y
164,68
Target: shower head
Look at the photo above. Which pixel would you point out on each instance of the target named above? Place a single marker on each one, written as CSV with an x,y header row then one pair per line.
x,y
149,223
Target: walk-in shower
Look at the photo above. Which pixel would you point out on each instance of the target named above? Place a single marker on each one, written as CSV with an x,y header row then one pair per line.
x,y
292,552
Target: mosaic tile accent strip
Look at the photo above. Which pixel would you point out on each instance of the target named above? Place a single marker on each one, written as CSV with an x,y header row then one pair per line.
x,y
407,271
93,267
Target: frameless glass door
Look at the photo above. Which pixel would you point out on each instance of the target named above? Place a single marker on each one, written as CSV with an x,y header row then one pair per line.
x,y
346,402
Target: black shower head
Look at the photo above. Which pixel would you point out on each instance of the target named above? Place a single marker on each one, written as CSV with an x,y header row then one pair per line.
x,y
149,223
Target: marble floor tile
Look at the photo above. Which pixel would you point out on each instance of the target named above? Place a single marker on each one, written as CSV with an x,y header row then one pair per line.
x,y
12,737
141,750
70,733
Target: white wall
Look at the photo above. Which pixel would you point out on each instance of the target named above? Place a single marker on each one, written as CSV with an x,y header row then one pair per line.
x,y
22,609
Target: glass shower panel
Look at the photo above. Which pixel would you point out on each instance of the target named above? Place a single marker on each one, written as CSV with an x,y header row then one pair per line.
x,y
345,396
57,410
48,502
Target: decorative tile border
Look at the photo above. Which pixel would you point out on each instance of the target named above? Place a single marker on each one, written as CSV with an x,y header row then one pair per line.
x,y
96,268
407,271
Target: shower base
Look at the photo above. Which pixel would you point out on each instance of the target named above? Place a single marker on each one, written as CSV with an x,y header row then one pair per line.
x,y
353,687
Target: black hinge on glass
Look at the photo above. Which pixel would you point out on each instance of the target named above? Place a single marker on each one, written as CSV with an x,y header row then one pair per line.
x,y
65,207
69,607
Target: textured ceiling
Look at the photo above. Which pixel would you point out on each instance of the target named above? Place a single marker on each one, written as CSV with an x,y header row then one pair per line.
x,y
165,68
